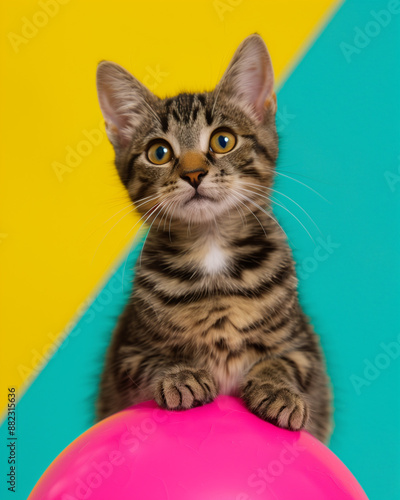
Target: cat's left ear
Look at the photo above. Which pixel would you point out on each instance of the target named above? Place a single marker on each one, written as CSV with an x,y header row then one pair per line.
x,y
249,78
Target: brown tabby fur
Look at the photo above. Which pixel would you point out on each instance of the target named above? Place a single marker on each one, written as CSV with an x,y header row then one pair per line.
x,y
214,307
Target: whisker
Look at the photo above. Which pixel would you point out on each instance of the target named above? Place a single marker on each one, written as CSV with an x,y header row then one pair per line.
x,y
166,211
144,215
119,211
123,217
282,206
131,246
109,231
303,184
158,211
266,213
170,221
241,213
255,186
141,225
135,202
142,199
106,204
102,224
188,229
298,220
262,227
113,203
163,212
166,215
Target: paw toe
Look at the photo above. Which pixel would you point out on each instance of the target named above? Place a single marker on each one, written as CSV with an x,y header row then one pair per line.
x,y
280,406
185,388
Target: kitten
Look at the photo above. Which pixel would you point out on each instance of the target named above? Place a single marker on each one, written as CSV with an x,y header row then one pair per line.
x,y
214,307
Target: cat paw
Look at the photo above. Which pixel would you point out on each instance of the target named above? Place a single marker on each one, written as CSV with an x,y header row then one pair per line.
x,y
184,388
280,406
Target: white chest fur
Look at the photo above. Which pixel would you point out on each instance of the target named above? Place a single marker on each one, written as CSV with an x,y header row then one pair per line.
x,y
230,379
214,259
228,384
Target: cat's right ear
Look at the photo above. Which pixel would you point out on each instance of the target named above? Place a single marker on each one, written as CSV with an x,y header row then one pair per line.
x,y
123,101
249,79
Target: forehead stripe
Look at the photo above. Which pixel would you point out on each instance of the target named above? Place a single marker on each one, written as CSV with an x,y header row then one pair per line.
x,y
194,113
209,117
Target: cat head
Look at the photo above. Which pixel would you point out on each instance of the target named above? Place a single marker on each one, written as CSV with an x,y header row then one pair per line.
x,y
197,156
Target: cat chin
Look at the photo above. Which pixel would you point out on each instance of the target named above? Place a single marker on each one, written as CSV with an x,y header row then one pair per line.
x,y
200,211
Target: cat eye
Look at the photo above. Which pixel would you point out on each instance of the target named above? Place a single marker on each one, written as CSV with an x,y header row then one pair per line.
x,y
159,152
222,141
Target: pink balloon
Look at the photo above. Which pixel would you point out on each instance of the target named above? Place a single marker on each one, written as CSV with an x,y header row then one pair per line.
x,y
219,451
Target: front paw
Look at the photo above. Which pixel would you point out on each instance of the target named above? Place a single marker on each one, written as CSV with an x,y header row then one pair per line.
x,y
184,388
276,404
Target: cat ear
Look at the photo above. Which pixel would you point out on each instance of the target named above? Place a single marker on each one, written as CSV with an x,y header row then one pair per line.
x,y
249,78
123,101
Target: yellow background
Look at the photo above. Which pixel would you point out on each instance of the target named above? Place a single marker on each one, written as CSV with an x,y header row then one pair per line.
x,y
57,241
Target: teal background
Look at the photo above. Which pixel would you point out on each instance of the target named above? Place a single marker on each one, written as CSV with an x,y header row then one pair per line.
x,y
340,124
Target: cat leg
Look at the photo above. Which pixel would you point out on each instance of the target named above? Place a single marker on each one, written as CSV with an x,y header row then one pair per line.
x,y
127,379
147,375
272,391
182,387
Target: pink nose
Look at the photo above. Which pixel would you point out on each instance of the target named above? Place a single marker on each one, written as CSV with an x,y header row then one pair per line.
x,y
194,177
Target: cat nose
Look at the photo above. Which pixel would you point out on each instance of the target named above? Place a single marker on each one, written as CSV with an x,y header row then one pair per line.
x,y
194,177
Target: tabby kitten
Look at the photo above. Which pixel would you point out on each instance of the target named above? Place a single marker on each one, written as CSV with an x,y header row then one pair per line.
x,y
214,307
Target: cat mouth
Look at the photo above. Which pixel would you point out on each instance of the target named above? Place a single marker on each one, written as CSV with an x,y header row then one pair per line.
x,y
199,197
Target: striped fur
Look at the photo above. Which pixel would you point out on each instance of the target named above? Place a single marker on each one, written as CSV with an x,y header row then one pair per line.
x,y
214,306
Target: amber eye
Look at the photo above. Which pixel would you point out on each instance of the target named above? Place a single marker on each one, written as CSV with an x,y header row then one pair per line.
x,y
159,152
222,141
